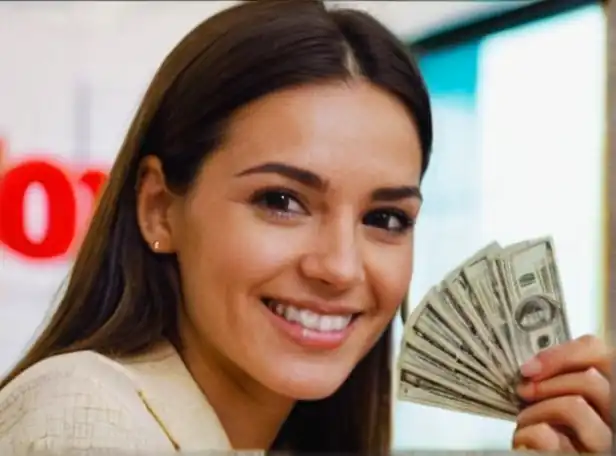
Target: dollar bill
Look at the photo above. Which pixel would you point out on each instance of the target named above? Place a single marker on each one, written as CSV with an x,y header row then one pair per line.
x,y
487,291
479,319
424,381
483,325
446,400
431,322
534,297
464,343
446,372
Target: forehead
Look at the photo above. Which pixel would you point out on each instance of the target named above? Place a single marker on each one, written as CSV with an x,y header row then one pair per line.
x,y
343,129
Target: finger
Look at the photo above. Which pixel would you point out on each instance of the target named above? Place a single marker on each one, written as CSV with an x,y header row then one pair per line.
x,y
574,413
541,437
590,384
576,355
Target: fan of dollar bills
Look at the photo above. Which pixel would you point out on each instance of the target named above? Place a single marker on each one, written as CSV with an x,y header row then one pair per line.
x,y
465,341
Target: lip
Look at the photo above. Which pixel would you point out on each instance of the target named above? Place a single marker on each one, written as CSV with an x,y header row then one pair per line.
x,y
308,338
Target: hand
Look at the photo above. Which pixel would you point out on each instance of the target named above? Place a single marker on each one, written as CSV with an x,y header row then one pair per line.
x,y
567,388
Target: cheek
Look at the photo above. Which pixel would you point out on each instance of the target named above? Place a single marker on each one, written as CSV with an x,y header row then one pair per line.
x,y
391,274
237,249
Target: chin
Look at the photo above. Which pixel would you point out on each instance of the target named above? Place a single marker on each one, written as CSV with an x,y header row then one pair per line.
x,y
308,384
309,391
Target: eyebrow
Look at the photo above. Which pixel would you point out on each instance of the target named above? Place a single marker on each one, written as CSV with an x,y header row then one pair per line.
x,y
397,193
303,176
312,180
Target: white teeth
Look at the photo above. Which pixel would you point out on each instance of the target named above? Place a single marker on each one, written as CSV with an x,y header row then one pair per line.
x,y
309,319
279,309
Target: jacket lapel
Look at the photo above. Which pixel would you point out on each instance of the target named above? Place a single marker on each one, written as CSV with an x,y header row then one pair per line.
x,y
173,398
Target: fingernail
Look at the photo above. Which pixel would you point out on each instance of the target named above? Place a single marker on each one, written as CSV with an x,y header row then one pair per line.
x,y
520,448
531,367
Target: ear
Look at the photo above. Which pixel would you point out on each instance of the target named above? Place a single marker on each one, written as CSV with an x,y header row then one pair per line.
x,y
154,201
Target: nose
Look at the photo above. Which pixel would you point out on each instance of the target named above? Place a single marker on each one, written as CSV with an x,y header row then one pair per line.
x,y
335,258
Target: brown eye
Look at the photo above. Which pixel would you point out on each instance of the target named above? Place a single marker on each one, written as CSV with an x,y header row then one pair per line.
x,y
392,220
278,201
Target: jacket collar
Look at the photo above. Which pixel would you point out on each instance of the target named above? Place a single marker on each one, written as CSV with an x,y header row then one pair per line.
x,y
169,392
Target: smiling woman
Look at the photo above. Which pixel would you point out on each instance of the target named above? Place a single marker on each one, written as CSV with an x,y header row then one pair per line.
x,y
237,283
239,278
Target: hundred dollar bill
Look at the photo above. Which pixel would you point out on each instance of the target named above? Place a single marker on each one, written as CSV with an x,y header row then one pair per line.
x,y
464,343
488,292
534,297
431,322
479,320
462,312
445,364
424,381
446,400
447,372
484,327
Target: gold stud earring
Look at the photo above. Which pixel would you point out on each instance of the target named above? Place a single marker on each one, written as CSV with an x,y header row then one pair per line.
x,y
156,245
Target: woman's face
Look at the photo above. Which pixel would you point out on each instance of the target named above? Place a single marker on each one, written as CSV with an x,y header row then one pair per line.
x,y
296,242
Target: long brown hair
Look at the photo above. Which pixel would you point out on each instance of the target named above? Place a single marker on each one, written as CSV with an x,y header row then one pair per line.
x,y
121,298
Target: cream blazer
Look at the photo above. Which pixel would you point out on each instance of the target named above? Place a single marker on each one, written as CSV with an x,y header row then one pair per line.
x,y
82,402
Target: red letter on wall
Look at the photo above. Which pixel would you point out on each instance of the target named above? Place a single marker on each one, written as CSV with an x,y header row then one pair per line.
x,y
61,209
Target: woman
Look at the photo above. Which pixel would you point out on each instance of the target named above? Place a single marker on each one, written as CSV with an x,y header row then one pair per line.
x,y
242,269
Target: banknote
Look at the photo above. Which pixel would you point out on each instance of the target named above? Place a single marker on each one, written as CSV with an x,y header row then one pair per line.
x,y
464,343
533,297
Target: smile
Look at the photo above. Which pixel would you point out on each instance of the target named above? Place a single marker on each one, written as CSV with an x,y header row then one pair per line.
x,y
307,318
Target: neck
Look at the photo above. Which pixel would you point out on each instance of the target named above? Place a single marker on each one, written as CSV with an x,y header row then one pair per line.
x,y
250,414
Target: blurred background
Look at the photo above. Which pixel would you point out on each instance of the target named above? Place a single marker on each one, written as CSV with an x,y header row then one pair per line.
x,y
518,90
